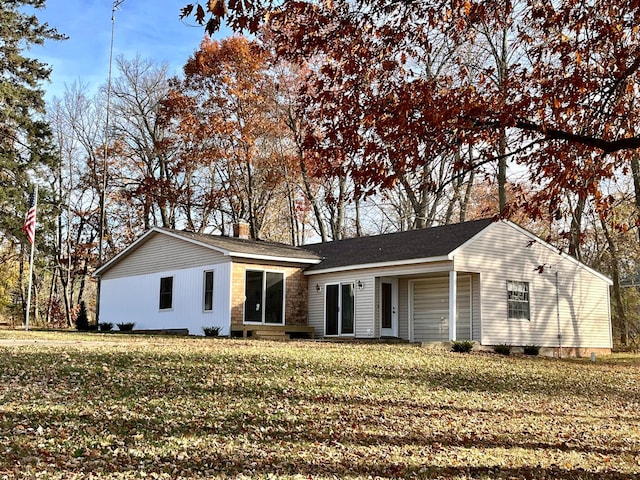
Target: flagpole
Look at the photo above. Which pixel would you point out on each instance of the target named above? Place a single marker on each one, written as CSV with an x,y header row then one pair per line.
x,y
33,246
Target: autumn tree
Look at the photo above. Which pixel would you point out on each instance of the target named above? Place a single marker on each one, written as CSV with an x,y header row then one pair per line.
x,y
222,116
142,174
567,102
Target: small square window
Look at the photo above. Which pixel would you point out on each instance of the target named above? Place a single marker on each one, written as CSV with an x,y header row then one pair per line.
x,y
166,293
518,300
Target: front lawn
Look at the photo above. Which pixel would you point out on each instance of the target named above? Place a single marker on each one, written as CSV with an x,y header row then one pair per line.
x,y
113,406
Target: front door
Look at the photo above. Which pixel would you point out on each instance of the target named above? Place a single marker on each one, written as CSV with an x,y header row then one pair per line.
x,y
389,307
339,309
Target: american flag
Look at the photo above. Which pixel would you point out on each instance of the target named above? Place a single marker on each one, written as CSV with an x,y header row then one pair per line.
x,y
29,227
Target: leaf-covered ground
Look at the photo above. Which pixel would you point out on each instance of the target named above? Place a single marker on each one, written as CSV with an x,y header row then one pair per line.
x,y
116,406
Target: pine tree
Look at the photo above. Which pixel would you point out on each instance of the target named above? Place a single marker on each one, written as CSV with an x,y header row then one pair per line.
x,y
25,138
82,320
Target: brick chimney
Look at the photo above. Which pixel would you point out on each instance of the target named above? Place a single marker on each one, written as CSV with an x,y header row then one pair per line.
x,y
241,230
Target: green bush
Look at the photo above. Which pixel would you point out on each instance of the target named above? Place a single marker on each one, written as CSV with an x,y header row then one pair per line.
x,y
106,326
125,327
211,331
502,349
462,346
532,350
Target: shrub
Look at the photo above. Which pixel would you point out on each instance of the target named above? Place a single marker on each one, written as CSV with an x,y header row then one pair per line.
x,y
82,320
502,349
531,350
125,327
211,331
462,346
106,326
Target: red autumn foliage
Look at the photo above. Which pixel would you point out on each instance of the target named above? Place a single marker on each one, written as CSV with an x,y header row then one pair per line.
x,y
397,84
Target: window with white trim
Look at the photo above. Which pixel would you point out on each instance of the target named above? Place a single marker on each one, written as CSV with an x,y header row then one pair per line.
x,y
518,300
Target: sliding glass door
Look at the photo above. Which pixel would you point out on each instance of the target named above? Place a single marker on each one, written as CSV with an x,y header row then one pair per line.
x,y
339,309
264,293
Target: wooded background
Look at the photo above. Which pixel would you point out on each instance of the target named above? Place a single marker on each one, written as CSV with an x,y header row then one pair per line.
x,y
331,120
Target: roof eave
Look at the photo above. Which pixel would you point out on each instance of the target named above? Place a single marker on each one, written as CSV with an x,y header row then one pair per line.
x,y
274,258
223,251
364,266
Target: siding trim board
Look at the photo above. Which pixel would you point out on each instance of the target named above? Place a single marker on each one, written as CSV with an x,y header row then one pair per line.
x,y
271,258
402,263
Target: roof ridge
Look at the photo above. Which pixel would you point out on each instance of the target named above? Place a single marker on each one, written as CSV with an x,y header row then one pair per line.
x,y
410,231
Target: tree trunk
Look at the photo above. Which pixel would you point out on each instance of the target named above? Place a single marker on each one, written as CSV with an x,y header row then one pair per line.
x,y
575,231
623,322
502,172
358,225
635,169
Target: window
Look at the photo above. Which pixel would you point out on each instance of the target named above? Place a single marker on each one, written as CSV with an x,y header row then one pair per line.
x,y
339,309
518,300
166,292
208,291
264,297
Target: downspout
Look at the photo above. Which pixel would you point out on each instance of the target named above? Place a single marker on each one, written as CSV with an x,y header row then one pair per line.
x,y
558,316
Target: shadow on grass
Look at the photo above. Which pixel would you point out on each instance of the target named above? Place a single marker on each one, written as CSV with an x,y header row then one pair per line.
x,y
275,445
328,433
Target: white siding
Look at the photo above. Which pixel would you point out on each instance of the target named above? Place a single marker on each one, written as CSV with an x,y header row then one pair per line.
x,y
365,314
366,317
376,310
403,308
136,299
501,253
463,308
476,323
161,253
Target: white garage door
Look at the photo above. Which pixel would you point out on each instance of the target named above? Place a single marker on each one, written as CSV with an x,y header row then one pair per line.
x,y
431,309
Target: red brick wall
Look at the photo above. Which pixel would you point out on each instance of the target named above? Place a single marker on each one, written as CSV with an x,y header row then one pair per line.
x,y
295,294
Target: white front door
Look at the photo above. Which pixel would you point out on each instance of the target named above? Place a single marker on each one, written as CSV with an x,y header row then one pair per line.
x,y
389,307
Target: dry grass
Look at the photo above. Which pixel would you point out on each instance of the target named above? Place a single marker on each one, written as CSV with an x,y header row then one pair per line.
x,y
114,406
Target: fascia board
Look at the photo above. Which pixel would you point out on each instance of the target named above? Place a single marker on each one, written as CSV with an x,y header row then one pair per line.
x,y
364,266
196,242
254,256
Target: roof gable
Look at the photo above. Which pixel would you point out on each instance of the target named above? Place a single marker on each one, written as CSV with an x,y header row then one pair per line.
x,y
228,246
428,243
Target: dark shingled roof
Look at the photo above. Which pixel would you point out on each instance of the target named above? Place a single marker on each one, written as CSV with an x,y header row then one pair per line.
x,y
242,246
395,247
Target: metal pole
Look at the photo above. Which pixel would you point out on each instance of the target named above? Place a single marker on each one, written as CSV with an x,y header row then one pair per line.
x,y
33,246
103,196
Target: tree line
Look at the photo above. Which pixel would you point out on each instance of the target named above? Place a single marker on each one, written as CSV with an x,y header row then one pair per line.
x,y
341,119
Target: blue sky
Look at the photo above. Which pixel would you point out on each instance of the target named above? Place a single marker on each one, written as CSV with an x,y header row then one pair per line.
x,y
151,28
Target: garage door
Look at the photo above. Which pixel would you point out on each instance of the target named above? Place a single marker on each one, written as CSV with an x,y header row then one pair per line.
x,y
431,309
